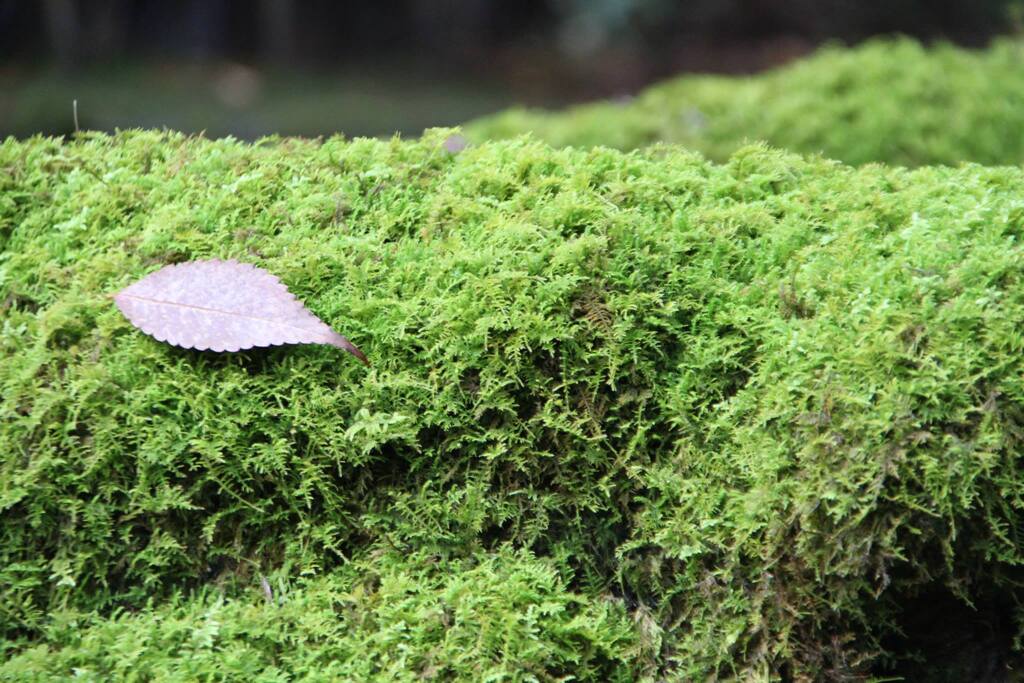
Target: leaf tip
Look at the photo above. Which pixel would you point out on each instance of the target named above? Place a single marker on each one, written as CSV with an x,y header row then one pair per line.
x,y
343,343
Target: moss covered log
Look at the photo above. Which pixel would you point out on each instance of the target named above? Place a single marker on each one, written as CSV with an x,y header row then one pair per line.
x,y
629,415
890,101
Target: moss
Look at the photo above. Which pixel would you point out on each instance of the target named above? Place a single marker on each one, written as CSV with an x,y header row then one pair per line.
x,y
750,410
505,617
890,101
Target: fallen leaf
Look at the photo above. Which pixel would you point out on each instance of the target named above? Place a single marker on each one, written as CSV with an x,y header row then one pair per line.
x,y
223,306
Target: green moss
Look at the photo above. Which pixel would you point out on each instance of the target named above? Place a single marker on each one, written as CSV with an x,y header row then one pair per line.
x,y
505,618
889,101
749,409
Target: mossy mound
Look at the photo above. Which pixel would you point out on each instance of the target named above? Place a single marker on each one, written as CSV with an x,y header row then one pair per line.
x,y
700,419
396,618
890,101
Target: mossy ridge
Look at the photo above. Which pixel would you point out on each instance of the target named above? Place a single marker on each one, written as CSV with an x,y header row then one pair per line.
x,y
740,401
887,100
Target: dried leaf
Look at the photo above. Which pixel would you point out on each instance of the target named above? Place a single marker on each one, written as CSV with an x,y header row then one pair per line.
x,y
223,306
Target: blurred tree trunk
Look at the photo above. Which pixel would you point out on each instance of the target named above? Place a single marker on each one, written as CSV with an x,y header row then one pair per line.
x,y
106,27
61,18
277,31
452,28
206,24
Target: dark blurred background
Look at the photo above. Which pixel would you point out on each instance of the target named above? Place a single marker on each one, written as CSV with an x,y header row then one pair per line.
x,y
250,68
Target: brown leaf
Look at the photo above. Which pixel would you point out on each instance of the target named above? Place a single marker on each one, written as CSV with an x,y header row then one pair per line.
x,y
223,306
